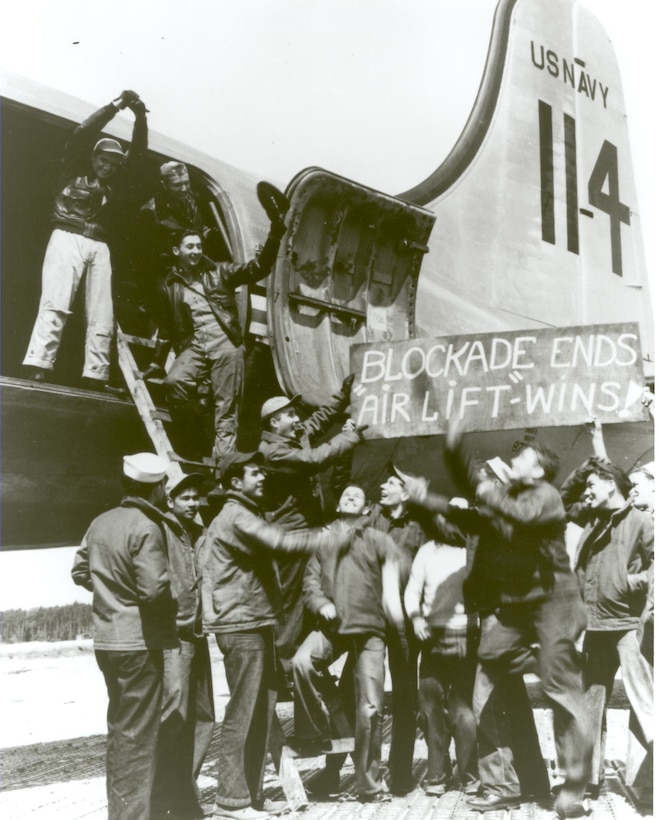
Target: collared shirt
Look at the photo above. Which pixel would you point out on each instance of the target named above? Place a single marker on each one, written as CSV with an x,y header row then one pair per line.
x,y
208,337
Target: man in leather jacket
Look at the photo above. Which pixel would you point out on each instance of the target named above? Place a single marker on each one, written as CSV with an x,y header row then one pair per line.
x,y
100,186
198,316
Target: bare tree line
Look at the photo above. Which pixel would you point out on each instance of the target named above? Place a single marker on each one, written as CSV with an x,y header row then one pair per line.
x,y
52,623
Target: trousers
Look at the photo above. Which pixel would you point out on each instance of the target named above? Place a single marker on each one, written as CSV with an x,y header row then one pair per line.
x,y
309,666
403,654
249,662
186,726
555,622
71,259
226,371
134,684
445,699
606,651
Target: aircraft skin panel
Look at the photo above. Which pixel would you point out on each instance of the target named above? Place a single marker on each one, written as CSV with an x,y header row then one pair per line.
x,y
346,273
541,227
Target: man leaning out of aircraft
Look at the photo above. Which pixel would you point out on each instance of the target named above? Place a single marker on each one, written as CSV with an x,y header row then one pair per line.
x,y
198,316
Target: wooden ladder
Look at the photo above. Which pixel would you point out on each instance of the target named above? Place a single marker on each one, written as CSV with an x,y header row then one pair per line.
x,y
151,416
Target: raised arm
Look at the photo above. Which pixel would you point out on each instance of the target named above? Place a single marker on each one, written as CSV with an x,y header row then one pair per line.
x,y
542,506
593,427
312,460
255,532
81,143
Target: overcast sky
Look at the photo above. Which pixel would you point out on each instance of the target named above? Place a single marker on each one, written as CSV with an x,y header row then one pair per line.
x,y
375,90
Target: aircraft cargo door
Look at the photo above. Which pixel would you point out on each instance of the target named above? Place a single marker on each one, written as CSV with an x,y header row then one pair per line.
x,y
346,273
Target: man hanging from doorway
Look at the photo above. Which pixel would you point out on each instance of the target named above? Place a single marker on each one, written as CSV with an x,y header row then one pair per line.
x,y
97,179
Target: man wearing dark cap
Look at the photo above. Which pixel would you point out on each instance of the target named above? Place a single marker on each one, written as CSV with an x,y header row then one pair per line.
x,y
294,459
240,602
122,560
188,713
93,172
614,553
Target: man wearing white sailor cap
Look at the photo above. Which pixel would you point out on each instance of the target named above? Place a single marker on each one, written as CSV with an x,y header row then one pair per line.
x,y
122,561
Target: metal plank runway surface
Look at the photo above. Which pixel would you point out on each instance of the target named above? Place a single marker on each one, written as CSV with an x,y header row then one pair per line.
x,y
66,779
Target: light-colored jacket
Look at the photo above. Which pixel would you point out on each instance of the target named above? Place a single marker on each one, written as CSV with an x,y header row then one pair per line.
x,y
122,561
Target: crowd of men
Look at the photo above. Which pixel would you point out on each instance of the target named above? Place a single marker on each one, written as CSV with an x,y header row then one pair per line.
x,y
463,596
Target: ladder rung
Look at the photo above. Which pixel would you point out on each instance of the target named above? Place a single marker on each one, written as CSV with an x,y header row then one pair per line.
x,y
205,461
161,414
139,340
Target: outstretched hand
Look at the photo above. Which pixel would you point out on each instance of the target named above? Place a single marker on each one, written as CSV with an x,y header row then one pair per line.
x,y
137,107
153,371
421,628
593,426
454,432
346,384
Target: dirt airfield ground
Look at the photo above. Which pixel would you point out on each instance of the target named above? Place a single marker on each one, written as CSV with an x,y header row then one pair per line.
x,y
52,737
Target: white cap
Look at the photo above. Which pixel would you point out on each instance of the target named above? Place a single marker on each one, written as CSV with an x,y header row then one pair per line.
x,y
147,468
277,403
177,485
461,503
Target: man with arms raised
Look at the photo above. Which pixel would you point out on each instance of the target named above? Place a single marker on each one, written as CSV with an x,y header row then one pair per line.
x,y
295,457
240,601
538,602
198,316
98,181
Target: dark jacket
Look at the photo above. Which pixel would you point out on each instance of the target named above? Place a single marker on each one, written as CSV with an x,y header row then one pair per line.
x,y
94,209
349,575
182,551
614,553
240,587
217,283
407,533
522,526
293,494
123,561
